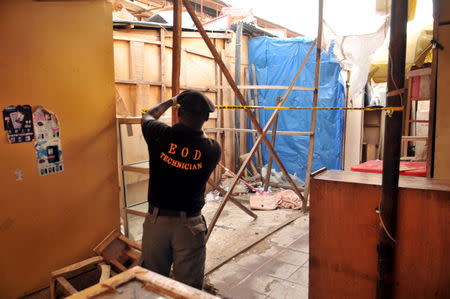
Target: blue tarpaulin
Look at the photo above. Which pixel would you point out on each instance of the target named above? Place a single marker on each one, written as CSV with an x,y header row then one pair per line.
x,y
276,61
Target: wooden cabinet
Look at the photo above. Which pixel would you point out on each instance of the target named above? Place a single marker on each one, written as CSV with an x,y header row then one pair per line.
x,y
344,228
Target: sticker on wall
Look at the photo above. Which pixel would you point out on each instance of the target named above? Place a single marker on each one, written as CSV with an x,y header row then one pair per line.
x,y
18,122
48,142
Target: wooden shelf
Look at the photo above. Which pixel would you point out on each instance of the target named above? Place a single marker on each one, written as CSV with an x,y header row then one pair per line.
x,y
141,167
414,138
418,121
419,99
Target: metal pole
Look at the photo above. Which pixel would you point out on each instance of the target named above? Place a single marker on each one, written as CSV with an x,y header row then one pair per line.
x,y
176,53
315,100
391,152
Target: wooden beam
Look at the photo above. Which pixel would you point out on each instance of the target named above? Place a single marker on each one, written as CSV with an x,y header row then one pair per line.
x,y
391,153
431,144
176,53
256,102
239,95
159,83
269,163
255,146
265,87
309,162
162,64
66,286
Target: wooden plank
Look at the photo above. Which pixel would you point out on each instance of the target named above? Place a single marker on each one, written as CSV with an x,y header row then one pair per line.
x,y
105,271
442,121
309,163
420,99
136,60
414,138
163,58
77,266
159,83
254,131
211,35
269,163
133,81
67,288
129,120
137,213
107,285
106,241
256,102
418,121
176,53
151,281
137,169
129,242
265,87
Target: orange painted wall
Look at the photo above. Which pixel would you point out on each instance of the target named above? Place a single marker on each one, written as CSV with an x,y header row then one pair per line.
x,y
59,55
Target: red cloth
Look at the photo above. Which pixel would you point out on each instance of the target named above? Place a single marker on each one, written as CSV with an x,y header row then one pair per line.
x,y
406,168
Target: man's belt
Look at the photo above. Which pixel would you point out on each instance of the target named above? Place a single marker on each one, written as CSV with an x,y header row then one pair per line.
x,y
172,213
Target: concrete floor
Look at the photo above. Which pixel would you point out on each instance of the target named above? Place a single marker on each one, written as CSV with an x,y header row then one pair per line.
x,y
277,267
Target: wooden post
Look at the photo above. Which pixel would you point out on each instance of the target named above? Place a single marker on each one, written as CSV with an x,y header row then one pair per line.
x,y
237,79
176,53
433,94
162,34
238,93
391,153
255,93
269,163
315,100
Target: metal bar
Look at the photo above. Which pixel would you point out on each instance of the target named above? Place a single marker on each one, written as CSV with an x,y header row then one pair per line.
x,y
315,100
391,152
255,146
269,163
176,53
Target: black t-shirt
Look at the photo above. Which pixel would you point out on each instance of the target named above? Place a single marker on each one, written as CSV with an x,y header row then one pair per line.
x,y
181,161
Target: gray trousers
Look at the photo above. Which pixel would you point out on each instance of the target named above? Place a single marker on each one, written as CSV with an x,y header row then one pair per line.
x,y
177,241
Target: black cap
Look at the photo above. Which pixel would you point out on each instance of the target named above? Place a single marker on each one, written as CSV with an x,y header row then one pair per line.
x,y
194,102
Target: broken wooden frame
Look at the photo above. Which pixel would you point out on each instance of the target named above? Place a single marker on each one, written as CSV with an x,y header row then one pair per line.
x,y
119,251
152,282
240,97
61,276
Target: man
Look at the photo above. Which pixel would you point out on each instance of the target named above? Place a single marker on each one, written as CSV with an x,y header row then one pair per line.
x,y
181,160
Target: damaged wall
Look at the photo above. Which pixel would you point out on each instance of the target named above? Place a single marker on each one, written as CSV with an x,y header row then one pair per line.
x,y
58,55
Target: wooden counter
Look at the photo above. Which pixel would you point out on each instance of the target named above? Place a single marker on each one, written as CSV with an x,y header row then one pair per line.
x,y
344,232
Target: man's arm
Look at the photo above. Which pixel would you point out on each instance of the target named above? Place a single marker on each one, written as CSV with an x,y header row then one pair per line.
x,y
156,112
